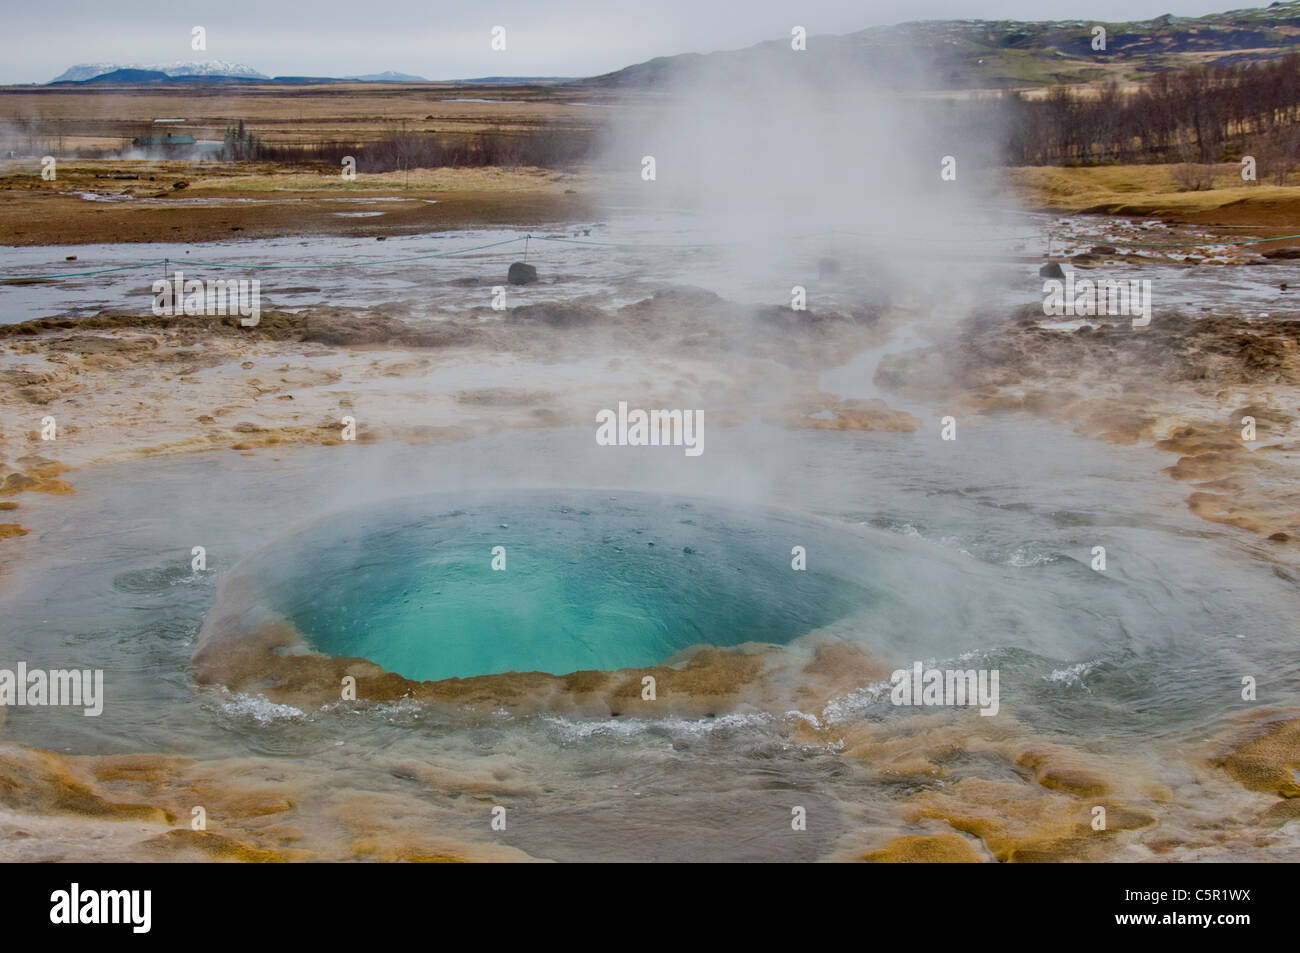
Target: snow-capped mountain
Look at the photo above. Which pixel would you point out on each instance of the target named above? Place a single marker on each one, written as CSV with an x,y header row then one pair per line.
x,y
84,71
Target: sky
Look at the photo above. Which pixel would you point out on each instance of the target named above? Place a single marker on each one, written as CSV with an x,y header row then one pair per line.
x,y
438,39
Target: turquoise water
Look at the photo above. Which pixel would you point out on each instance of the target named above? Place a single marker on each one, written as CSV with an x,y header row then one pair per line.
x,y
961,557
583,581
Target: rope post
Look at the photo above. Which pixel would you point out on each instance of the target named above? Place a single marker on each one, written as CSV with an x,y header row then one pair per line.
x,y
526,237
164,268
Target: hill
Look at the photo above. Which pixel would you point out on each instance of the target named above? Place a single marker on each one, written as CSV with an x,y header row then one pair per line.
x,y
993,54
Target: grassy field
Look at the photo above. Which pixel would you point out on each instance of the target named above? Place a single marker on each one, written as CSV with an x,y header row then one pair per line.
x,y
1154,191
151,201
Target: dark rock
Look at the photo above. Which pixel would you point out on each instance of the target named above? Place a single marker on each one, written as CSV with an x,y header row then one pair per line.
x,y
1102,250
521,274
1051,270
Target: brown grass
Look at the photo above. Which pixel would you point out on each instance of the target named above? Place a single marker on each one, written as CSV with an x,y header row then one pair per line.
x,y
1155,191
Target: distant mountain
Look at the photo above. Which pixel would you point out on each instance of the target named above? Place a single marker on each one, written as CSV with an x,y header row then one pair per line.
x,y
220,72
972,54
388,76
139,77
135,76
85,71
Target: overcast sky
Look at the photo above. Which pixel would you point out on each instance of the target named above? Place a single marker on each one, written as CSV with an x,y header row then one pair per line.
x,y
445,40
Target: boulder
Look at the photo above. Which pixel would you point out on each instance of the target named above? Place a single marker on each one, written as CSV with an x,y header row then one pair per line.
x,y
521,274
1051,270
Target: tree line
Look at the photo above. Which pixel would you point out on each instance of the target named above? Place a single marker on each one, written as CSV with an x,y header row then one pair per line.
x,y
1203,114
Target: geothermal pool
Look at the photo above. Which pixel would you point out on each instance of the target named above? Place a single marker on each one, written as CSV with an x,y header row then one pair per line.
x,y
556,582
919,556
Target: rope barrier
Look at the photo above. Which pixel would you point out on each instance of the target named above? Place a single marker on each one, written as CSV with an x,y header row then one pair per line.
x,y
359,264
579,241
78,274
352,264
965,240
1078,239
226,264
